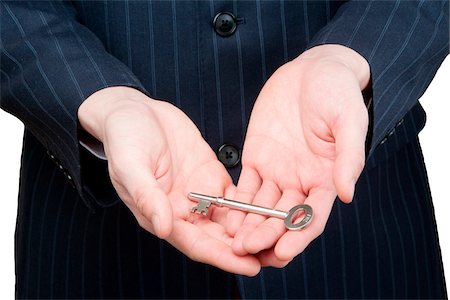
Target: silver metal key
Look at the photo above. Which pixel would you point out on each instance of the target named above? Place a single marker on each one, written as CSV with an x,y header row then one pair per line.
x,y
205,201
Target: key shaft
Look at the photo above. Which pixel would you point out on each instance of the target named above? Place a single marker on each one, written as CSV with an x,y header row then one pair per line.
x,y
219,201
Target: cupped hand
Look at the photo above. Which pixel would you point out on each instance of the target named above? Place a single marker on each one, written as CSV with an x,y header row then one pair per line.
x,y
305,144
156,156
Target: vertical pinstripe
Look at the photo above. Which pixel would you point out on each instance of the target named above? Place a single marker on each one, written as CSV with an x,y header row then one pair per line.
x,y
342,246
360,241
27,272
324,265
106,24
83,256
261,41
242,287
305,20
374,234
283,30
262,284
399,232
41,234
184,268
139,265
410,223
422,224
152,48
386,231
118,257
161,269
175,53
69,248
427,266
54,242
100,254
217,73
207,282
128,33
284,280
200,81
241,74
305,276
228,284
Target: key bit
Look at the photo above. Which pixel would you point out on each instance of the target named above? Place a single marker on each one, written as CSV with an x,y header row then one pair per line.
x,y
201,207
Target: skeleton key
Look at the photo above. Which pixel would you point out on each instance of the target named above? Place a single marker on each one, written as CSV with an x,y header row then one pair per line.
x,y
205,201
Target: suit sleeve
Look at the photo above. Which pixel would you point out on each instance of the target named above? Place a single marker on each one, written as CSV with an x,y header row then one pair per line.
x,y
404,42
49,65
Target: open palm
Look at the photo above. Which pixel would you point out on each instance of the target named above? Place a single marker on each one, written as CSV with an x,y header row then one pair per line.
x,y
304,144
156,156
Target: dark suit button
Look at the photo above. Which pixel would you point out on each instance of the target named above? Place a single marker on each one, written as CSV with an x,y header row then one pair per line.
x,y
224,24
229,155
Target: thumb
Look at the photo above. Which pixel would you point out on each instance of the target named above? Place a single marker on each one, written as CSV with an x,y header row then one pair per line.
x,y
153,204
145,197
350,135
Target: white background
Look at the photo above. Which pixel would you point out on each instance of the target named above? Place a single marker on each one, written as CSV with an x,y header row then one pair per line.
x,y
435,143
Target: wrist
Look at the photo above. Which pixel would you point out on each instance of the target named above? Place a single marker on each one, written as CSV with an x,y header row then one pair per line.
x,y
344,56
95,110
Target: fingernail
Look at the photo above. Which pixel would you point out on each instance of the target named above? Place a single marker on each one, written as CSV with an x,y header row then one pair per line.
x,y
156,225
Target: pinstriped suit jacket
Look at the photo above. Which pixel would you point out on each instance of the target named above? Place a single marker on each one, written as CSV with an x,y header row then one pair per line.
x,y
74,237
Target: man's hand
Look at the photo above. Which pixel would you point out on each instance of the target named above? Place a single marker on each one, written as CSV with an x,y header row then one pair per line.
x,y
305,144
156,156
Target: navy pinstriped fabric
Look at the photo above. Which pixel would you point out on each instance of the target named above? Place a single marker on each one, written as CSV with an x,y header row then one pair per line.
x,y
74,238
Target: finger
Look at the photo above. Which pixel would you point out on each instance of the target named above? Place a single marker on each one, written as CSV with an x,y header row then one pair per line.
x,y
248,185
294,242
350,134
267,258
267,233
146,195
210,248
267,196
